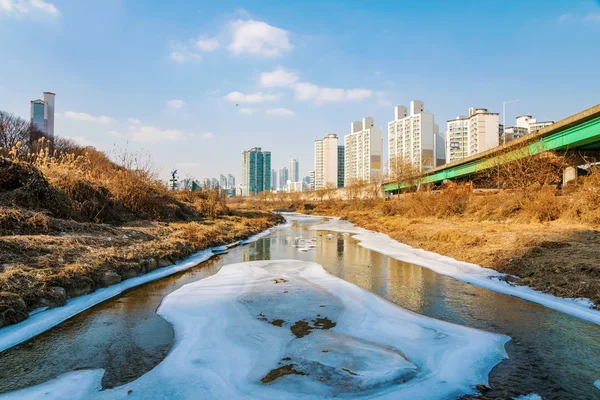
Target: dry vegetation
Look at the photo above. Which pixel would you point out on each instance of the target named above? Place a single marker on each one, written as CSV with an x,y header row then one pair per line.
x,y
545,235
73,220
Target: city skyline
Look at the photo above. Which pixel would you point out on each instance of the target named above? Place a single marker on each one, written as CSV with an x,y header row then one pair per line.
x,y
219,91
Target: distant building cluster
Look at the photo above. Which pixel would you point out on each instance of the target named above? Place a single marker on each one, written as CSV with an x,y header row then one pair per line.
x,y
525,124
413,137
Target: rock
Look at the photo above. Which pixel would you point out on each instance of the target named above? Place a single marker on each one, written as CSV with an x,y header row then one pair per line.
x,y
110,278
150,264
84,287
164,262
12,309
53,297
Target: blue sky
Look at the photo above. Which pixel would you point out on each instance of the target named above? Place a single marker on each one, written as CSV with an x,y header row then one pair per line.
x,y
194,83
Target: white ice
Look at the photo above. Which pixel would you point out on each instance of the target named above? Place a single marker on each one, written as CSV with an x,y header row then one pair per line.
x,y
39,322
597,384
226,341
462,271
532,396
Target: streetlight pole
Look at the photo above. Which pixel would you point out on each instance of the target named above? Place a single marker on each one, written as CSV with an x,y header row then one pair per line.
x,y
504,119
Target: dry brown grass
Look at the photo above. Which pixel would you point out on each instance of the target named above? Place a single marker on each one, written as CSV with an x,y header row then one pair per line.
x,y
64,224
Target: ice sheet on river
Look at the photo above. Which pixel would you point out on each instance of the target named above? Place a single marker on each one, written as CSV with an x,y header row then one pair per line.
x,y
288,330
463,271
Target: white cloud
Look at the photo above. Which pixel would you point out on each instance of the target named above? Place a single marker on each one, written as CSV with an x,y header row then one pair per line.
x,y
116,134
190,51
280,77
134,121
258,97
280,112
45,6
207,44
27,6
151,134
175,104
592,17
181,53
309,91
80,140
257,37
79,116
248,111
565,17
306,91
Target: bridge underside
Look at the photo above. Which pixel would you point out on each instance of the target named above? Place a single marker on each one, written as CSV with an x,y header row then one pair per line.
x,y
579,134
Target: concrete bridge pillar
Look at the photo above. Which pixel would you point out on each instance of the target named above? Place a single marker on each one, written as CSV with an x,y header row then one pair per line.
x,y
569,174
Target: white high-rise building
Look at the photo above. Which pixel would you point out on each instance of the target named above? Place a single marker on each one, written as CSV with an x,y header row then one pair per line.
x,y
415,137
532,124
283,177
363,151
326,161
294,170
525,124
472,134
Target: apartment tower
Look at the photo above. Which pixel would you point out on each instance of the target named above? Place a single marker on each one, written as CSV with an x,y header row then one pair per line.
x,y
415,137
472,134
363,151
256,171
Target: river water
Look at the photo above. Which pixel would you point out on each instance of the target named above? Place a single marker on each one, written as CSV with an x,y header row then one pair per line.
x,y
552,354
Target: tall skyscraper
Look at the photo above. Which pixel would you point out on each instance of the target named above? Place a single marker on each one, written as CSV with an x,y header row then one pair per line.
x,y
283,177
206,184
42,117
273,179
363,151
415,138
38,115
48,97
294,170
326,161
468,135
256,171
230,181
214,183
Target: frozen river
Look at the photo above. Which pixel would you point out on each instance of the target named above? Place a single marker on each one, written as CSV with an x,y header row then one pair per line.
x,y
550,353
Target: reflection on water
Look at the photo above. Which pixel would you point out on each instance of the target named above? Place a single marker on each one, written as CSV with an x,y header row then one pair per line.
x,y
552,354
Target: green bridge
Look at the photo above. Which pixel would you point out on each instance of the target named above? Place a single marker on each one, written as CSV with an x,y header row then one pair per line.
x,y
579,132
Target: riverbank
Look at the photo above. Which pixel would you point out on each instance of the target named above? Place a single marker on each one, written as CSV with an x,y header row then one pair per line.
x,y
553,257
74,259
74,221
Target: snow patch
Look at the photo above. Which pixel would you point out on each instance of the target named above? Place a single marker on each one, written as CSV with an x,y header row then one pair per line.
x,y
597,384
462,271
288,330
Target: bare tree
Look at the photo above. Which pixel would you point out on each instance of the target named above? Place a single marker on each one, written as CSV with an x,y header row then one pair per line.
x,y
528,168
320,193
374,188
15,133
330,187
403,173
356,188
